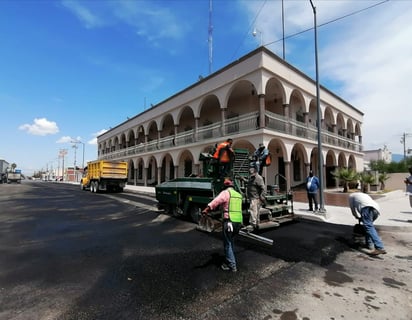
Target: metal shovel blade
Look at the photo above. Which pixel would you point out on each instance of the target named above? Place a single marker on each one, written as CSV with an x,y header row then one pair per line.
x,y
206,224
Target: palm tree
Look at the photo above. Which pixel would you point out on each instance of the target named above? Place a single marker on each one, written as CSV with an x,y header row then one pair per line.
x,y
366,179
346,175
382,178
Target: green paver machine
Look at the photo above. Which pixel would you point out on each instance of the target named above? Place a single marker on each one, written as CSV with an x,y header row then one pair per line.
x,y
189,195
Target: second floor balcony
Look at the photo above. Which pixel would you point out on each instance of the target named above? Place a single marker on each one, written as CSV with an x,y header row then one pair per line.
x,y
242,124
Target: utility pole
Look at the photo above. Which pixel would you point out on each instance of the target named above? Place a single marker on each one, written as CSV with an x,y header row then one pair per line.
x,y
210,38
62,153
403,141
319,116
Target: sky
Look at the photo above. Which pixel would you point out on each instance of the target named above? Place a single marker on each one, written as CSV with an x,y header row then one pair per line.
x,y
70,70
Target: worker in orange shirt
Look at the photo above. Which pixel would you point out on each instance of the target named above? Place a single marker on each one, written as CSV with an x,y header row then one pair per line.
x,y
224,155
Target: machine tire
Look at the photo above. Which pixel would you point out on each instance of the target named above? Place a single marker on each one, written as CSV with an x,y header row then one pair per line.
x,y
195,213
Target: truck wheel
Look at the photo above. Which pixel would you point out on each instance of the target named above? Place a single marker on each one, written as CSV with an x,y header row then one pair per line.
x,y
195,213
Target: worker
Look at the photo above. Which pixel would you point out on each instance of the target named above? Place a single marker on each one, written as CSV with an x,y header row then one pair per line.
x,y
259,157
256,195
230,202
367,210
224,155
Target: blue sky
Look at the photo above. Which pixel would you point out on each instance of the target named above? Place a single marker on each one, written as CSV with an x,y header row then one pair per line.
x,y
71,69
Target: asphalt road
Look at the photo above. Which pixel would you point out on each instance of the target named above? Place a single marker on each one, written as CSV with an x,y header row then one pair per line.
x,y
71,254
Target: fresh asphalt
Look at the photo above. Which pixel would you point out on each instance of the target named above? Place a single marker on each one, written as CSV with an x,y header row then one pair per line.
x,y
69,254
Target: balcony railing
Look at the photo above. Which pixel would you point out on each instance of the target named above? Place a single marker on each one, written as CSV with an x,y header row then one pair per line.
x,y
236,125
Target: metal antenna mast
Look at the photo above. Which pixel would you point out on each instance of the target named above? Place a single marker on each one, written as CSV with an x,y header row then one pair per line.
x,y
210,39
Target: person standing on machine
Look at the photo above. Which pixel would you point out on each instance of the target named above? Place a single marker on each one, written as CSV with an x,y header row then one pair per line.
x,y
225,156
256,195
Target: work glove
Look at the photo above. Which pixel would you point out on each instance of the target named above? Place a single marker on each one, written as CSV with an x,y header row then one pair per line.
x,y
229,227
206,211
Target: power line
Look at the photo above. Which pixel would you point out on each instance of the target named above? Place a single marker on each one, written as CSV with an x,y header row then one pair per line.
x,y
309,29
250,28
329,22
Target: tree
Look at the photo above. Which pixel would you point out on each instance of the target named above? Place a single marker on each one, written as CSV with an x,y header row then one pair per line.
x,y
346,175
367,179
382,178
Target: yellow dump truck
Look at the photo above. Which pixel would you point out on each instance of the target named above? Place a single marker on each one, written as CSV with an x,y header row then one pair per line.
x,y
104,175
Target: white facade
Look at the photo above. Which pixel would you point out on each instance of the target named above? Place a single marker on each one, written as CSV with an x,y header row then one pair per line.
x,y
257,99
375,155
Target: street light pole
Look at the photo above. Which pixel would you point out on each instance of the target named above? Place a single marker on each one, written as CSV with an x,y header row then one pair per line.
x,y
255,32
320,156
76,142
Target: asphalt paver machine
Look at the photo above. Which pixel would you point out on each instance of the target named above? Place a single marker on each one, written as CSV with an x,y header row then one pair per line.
x,y
188,196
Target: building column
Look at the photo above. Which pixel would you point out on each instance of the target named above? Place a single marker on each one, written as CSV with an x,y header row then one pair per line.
x,y
261,122
223,116
176,172
146,140
286,110
288,175
159,134
145,170
135,176
287,128
159,174
196,129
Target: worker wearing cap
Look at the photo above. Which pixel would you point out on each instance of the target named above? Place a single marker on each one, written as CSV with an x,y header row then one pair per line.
x,y
259,156
256,195
231,203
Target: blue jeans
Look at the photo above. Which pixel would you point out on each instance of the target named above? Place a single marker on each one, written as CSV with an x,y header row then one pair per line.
x,y
228,243
371,237
312,197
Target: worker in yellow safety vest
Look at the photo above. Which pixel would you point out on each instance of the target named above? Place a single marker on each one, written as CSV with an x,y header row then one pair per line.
x,y
231,203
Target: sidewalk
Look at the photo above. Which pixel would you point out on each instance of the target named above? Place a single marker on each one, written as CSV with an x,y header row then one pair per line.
x,y
395,210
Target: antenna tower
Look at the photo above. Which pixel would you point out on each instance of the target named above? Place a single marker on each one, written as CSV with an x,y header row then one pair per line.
x,y
210,39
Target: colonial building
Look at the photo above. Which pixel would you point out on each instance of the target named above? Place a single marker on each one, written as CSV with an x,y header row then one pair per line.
x,y
259,98
375,155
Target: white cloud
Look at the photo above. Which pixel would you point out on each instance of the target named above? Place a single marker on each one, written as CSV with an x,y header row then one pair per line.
x,y
152,21
40,127
372,61
364,57
96,134
65,139
85,15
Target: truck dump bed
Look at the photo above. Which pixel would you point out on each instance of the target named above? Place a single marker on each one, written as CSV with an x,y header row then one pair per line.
x,y
104,169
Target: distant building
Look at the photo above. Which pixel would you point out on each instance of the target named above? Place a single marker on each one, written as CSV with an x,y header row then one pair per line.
x,y
374,155
3,166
